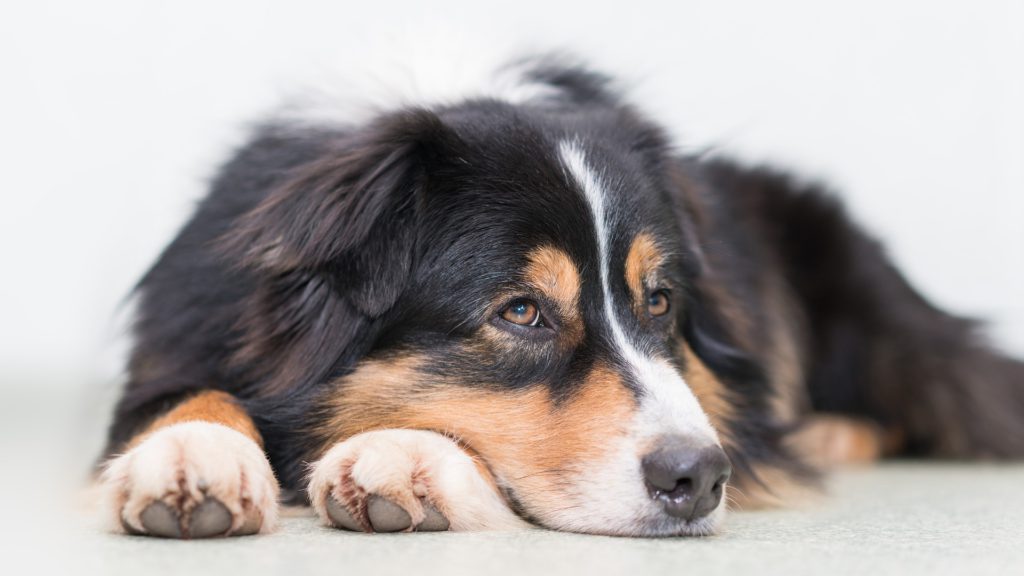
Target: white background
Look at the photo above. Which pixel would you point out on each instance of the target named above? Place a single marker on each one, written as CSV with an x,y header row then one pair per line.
x,y
114,115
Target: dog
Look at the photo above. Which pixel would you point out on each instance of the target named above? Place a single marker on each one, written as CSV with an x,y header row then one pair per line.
x,y
524,308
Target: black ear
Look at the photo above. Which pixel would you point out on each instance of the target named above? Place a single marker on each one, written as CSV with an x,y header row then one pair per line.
x,y
349,213
753,435
705,330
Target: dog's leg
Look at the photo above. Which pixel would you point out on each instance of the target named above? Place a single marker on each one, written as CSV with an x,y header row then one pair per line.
x,y
198,471
829,440
405,480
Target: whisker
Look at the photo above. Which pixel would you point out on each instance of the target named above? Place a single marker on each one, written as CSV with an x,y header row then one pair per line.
x,y
543,473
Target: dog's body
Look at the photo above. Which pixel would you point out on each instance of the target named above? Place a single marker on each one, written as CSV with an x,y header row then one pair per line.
x,y
525,309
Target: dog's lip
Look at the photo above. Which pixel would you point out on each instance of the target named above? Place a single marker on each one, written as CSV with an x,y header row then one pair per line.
x,y
698,528
701,527
517,507
506,490
681,528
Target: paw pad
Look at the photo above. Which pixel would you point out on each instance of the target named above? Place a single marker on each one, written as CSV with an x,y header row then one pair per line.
x,y
383,515
209,519
192,480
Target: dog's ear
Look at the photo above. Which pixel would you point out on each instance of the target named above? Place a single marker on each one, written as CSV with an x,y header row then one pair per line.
x,y
752,434
349,213
712,323
707,333
705,323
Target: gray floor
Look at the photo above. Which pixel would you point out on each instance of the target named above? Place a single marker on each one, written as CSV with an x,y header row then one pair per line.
x,y
898,518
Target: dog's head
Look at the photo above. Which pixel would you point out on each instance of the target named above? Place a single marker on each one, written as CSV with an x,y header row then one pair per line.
x,y
523,277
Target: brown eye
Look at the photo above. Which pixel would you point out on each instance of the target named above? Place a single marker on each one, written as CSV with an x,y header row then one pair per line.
x,y
658,303
523,313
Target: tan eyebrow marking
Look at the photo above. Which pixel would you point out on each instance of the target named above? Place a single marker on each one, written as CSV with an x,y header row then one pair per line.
x,y
643,260
551,271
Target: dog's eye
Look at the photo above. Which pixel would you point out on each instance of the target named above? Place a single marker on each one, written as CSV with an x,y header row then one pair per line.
x,y
523,313
658,303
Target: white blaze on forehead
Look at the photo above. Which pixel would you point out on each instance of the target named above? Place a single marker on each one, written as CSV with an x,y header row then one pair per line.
x,y
668,405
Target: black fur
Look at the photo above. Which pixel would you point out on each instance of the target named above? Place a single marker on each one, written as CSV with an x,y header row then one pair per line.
x,y
320,247
877,348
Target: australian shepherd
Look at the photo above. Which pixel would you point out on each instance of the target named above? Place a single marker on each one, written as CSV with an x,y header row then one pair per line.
x,y
524,307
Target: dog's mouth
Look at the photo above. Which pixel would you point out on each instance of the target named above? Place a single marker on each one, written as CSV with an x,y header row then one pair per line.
x,y
651,528
651,517
517,507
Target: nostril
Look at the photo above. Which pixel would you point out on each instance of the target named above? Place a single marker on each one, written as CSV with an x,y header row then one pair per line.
x,y
683,488
716,490
683,485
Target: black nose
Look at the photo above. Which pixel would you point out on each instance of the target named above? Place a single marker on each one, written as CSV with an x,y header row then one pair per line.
x,y
685,477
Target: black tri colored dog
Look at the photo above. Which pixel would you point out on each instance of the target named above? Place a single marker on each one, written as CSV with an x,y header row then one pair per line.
x,y
524,307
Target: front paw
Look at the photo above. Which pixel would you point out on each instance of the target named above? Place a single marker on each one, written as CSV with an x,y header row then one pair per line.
x,y
405,480
192,480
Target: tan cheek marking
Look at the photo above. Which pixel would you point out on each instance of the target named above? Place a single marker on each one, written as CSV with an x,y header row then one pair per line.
x,y
643,259
709,390
552,272
210,406
522,435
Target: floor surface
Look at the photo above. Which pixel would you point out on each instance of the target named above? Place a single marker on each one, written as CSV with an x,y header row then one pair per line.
x,y
897,518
